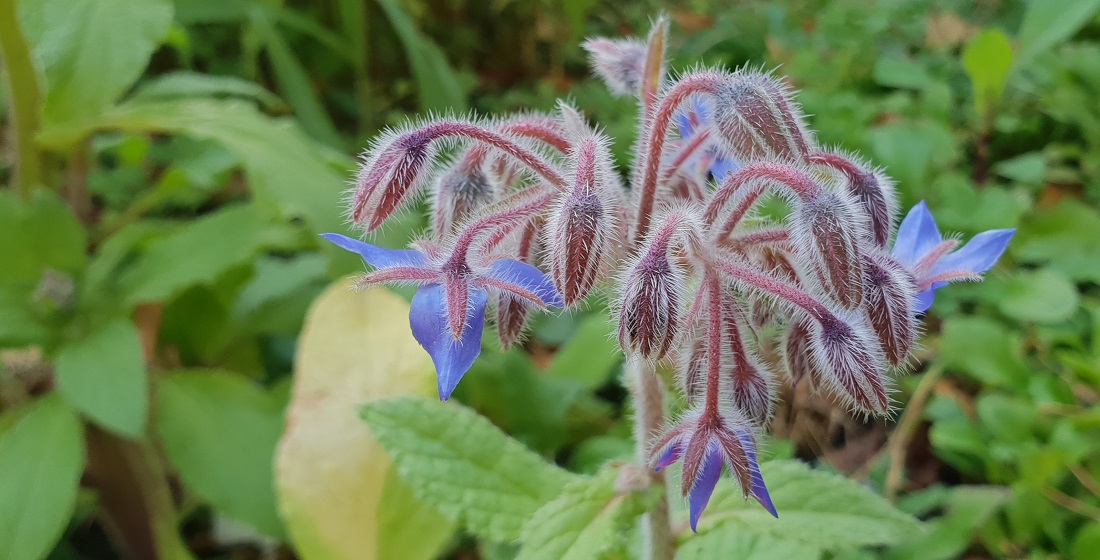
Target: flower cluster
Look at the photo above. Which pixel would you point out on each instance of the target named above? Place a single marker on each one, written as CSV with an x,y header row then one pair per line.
x,y
733,296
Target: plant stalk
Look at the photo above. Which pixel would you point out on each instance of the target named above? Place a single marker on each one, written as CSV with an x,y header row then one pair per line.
x,y
649,407
23,92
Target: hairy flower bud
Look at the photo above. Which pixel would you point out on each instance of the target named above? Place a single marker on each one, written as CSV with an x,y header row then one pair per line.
x,y
757,116
513,311
461,191
649,307
851,366
872,188
389,176
693,367
619,62
798,354
828,231
581,228
751,386
889,295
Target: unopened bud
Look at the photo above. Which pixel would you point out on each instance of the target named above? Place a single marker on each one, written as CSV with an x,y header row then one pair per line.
x,y
581,228
512,314
758,118
750,384
619,62
889,292
649,307
390,176
798,354
852,367
461,191
828,231
693,368
872,188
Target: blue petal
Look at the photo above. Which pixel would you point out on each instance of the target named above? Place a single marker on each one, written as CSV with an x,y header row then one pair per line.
x,y
702,110
757,488
979,255
527,277
917,235
671,455
924,300
378,257
703,487
428,318
722,167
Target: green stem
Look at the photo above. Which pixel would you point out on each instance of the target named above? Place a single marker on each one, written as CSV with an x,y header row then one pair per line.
x,y
24,96
649,406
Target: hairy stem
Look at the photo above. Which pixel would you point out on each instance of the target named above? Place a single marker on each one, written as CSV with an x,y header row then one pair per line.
x,y
649,406
24,95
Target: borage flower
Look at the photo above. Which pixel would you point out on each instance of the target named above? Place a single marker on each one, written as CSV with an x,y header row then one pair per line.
x,y
448,311
934,261
696,119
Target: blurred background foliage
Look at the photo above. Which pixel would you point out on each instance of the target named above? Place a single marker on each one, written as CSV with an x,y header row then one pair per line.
x,y
169,164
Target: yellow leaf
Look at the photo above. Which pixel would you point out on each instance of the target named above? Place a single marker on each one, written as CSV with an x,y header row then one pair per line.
x,y
338,492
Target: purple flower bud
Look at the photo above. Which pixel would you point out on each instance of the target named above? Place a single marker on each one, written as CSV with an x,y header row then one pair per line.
x,y
461,191
850,363
388,177
828,232
619,62
888,300
757,116
872,188
798,354
751,385
581,227
649,307
512,314
693,368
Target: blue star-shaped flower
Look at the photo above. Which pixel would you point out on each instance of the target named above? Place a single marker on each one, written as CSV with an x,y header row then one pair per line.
x,y
448,310
934,261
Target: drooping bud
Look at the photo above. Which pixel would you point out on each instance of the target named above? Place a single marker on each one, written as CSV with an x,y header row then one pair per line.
x,y
693,368
513,311
828,231
390,174
619,62
649,307
852,367
872,188
798,353
461,191
751,385
581,228
758,118
889,294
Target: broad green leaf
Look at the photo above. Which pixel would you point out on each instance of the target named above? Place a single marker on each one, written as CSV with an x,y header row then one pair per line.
x,y
1063,237
438,84
588,520
589,355
1010,419
338,490
37,234
1029,168
277,278
286,170
219,431
949,536
983,349
895,71
463,465
987,59
103,376
41,460
1049,22
1043,296
1087,542
91,51
735,541
815,508
294,82
184,83
197,254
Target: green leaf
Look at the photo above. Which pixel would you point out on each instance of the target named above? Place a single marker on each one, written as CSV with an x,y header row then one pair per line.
x,y
37,234
103,376
219,431
987,59
1043,296
294,81
91,51
463,465
949,536
588,520
1029,168
286,170
439,86
983,349
815,508
1047,23
41,458
182,83
735,541
338,489
1087,542
894,71
590,354
197,254
1064,238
